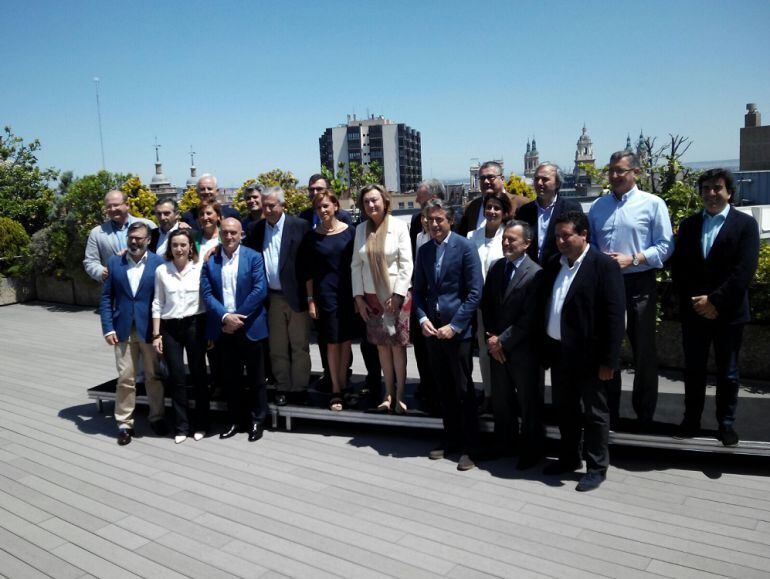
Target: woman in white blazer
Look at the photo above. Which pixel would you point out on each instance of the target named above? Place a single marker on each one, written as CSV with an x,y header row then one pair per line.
x,y
488,240
381,277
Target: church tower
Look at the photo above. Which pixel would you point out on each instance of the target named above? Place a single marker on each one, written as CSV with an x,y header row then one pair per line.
x,y
531,158
641,150
584,154
193,180
160,185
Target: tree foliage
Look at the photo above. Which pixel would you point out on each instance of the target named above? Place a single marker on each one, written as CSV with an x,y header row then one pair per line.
x,y
141,201
515,185
189,200
25,194
14,247
239,203
296,199
348,181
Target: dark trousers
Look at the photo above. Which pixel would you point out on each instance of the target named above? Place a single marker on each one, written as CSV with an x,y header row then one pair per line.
x,y
570,389
517,391
697,336
180,335
641,304
450,361
428,387
246,395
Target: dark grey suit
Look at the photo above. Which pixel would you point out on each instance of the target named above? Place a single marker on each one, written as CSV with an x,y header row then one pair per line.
x,y
509,309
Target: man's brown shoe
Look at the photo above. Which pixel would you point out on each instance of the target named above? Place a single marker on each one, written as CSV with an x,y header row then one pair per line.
x,y
465,463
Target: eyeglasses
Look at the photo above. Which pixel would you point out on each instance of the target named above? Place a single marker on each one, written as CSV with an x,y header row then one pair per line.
x,y
488,177
714,188
136,239
616,171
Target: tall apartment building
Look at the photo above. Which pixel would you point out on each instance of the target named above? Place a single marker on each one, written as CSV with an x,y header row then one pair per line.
x,y
395,146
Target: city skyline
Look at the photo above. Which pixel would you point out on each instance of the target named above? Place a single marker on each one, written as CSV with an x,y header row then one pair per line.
x,y
251,86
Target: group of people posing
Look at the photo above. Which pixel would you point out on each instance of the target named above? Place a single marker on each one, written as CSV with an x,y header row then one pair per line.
x,y
539,283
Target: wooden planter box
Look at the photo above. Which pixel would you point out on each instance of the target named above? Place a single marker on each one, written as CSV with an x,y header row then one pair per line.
x,y
15,290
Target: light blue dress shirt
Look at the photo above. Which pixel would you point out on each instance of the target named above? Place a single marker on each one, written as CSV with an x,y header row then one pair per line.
x,y
543,219
121,234
636,223
271,252
711,226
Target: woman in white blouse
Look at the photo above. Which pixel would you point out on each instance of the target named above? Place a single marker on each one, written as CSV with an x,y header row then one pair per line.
x,y
381,276
488,240
179,325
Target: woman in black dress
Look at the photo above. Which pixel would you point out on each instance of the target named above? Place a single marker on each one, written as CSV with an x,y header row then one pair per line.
x,y
329,252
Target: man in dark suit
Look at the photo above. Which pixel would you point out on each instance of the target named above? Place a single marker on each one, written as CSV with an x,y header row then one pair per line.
x,y
509,308
252,195
446,292
207,191
584,323
167,214
319,184
278,238
427,390
542,213
491,181
126,315
715,258
234,290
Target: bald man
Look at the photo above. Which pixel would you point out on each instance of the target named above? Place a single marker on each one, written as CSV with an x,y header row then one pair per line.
x,y
234,289
111,237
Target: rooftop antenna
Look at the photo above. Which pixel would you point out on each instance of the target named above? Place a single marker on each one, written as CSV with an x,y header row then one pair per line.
x,y
99,117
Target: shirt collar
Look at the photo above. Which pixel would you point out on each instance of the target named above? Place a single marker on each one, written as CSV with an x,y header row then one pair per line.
x,y
446,239
133,263
625,195
518,261
721,215
547,207
578,261
117,227
235,254
278,224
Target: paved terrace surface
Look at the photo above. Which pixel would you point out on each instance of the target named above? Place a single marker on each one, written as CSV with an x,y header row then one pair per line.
x,y
328,499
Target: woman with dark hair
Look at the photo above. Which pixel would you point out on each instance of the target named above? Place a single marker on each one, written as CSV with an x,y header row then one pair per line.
x,y
209,218
328,250
488,240
178,325
382,275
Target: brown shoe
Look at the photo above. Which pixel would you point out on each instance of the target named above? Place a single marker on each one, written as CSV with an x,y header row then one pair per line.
x,y
124,437
465,463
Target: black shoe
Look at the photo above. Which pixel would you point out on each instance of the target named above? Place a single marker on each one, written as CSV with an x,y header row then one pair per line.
x,y
728,436
527,461
232,431
687,430
256,432
125,435
280,399
159,428
590,481
562,467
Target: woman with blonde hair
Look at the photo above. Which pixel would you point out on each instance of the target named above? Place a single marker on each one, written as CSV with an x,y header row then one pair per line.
x,y
381,276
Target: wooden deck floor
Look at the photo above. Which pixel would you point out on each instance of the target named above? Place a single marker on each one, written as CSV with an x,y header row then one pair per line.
x,y
325,501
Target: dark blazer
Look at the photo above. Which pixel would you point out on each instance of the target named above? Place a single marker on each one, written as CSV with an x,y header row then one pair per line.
x,y
119,308
511,314
342,215
191,217
289,262
250,294
415,226
723,276
458,291
528,213
593,316
471,213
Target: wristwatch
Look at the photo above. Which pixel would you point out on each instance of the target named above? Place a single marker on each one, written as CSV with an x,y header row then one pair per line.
x,y
635,260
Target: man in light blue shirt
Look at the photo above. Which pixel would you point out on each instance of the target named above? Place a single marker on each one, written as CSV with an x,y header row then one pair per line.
x,y
634,228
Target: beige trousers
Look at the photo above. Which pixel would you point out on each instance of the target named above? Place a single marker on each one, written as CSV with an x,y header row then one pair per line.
x,y
289,339
127,361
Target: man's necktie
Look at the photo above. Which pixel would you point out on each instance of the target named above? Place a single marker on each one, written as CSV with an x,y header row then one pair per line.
x,y
510,269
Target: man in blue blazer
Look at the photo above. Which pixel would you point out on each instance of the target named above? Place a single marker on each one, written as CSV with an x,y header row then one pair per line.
x,y
234,290
126,314
715,258
446,292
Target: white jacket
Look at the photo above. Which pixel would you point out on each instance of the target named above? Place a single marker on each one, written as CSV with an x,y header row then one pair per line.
x,y
398,255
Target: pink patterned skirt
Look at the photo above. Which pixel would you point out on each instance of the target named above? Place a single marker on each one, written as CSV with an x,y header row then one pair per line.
x,y
384,330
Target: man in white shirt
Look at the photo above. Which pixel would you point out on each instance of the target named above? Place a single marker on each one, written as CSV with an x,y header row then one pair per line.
x,y
125,311
234,290
583,318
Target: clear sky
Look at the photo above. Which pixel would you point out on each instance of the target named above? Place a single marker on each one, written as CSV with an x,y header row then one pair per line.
x,y
251,85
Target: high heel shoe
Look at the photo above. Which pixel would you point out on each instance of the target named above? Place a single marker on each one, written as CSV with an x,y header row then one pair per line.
x,y
385,405
401,407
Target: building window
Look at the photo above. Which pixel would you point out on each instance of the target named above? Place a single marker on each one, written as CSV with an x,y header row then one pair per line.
x,y
400,204
410,205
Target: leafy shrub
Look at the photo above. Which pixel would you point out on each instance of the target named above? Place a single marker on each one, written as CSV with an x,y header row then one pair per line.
x,y
14,247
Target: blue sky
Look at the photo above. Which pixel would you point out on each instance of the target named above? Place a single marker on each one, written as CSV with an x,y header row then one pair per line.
x,y
252,85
